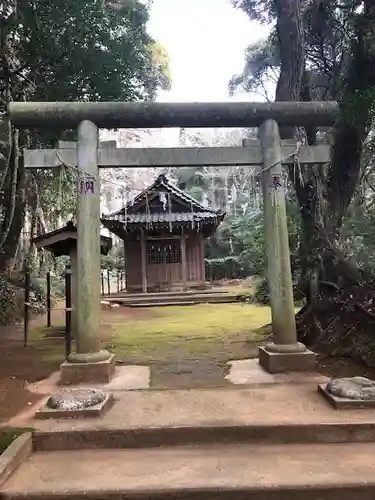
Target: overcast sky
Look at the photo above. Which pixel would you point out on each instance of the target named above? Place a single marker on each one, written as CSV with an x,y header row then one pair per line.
x,y
205,41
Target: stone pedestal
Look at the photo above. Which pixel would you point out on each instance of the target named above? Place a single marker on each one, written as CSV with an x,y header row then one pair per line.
x,y
99,372
278,362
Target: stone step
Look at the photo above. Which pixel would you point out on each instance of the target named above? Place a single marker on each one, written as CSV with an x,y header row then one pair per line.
x,y
148,437
176,293
165,304
280,409
198,298
251,472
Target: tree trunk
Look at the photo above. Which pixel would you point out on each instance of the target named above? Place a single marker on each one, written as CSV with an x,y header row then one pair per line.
x,y
324,194
13,205
13,86
290,36
324,197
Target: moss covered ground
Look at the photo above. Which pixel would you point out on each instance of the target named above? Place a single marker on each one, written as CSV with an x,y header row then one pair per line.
x,y
158,332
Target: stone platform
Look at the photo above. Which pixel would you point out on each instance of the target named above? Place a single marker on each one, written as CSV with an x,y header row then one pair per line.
x,y
275,413
268,441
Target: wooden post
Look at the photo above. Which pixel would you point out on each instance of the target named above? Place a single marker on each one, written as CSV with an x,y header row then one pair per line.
x,y
124,270
74,291
278,260
88,249
102,281
26,306
68,311
48,299
108,282
203,265
144,262
183,261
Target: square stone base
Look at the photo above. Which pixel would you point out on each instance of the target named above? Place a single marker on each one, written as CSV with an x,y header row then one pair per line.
x,y
88,373
274,362
91,411
344,403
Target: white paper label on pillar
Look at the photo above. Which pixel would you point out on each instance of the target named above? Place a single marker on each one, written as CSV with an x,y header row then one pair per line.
x,y
87,186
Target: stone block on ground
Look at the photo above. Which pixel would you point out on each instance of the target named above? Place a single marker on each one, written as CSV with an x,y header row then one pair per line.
x,y
349,392
76,403
100,372
125,378
250,372
274,362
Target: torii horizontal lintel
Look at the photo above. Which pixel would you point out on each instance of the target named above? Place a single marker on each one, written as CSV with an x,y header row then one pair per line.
x,y
109,157
68,115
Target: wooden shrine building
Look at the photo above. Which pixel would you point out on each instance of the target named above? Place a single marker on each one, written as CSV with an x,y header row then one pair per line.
x,y
163,229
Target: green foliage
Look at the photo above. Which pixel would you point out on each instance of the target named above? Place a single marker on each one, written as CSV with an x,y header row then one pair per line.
x,y
328,31
261,62
84,50
239,242
257,10
12,299
90,50
224,268
115,259
8,435
359,238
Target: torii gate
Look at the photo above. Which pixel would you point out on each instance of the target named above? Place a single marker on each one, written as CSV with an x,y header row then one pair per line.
x,y
89,363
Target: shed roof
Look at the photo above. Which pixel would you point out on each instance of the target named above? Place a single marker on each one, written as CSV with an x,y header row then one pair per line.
x,y
62,241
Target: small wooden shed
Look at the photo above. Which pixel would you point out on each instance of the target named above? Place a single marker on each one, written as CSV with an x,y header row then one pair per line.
x,y
63,241
163,229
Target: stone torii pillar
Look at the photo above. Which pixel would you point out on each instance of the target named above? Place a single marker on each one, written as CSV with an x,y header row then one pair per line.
x,y
284,353
89,363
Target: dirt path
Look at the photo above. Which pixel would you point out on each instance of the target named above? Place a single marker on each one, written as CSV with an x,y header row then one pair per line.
x,y
19,366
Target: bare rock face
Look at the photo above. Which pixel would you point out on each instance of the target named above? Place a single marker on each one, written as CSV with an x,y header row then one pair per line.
x,y
75,399
355,388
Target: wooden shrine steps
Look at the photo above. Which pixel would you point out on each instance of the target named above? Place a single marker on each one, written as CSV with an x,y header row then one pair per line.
x,y
158,299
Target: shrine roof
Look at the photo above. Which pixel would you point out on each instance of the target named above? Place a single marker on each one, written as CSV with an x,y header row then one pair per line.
x,y
169,217
162,184
163,204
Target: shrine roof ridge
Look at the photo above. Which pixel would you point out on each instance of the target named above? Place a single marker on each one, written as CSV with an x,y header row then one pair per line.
x,y
163,182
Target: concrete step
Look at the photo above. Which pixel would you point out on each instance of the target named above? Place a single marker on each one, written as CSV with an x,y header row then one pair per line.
x,y
255,472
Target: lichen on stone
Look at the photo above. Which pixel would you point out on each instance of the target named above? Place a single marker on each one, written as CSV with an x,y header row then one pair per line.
x,y
355,388
75,399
